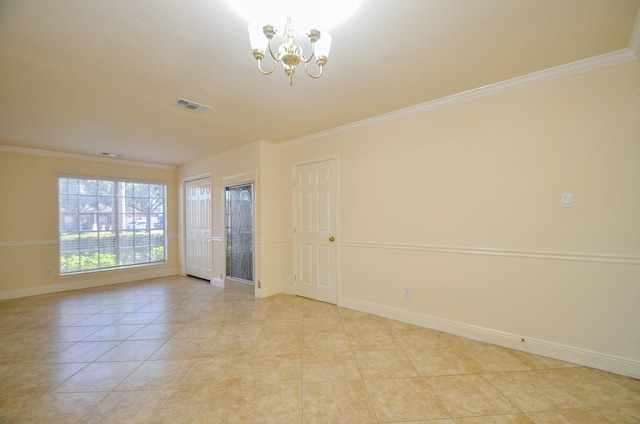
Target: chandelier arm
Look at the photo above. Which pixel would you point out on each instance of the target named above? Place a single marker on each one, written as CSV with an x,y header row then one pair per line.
x,y
305,60
314,35
316,76
269,71
259,55
276,57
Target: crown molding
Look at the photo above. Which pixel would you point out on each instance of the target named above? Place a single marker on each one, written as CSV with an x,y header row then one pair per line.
x,y
562,71
77,156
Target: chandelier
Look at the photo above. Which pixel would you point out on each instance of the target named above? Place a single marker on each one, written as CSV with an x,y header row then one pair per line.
x,y
289,53
269,38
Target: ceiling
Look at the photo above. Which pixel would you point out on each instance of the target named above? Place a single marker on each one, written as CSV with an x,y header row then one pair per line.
x,y
94,76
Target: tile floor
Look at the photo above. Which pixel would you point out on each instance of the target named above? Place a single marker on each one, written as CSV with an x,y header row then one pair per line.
x,y
178,350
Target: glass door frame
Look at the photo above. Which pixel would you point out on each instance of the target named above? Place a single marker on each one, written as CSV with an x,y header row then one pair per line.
x,y
252,287
228,226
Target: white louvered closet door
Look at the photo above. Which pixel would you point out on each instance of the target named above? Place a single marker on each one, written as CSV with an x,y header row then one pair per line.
x,y
198,228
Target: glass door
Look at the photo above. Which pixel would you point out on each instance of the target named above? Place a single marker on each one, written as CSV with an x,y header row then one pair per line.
x,y
239,231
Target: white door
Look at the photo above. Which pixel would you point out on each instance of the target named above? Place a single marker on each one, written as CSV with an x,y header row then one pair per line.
x,y
198,228
315,244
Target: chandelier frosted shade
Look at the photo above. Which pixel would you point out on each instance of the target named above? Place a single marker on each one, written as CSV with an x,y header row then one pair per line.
x,y
257,38
289,53
323,45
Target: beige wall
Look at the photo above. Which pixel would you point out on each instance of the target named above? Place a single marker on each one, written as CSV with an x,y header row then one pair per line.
x,y
29,222
259,162
463,206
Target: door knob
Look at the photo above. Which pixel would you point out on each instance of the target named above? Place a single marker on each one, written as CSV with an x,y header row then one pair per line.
x,y
332,238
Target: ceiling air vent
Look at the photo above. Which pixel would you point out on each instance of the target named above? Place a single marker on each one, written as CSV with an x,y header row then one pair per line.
x,y
188,104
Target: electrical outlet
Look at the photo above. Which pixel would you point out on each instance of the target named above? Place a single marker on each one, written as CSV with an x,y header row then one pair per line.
x,y
49,273
407,292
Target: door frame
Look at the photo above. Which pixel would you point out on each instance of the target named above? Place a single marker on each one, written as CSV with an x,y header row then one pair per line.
x,y
182,210
294,165
235,180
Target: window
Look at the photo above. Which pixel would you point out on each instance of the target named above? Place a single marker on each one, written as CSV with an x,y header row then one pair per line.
x,y
106,224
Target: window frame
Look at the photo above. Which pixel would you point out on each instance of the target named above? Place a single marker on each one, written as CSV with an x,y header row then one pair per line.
x,y
107,213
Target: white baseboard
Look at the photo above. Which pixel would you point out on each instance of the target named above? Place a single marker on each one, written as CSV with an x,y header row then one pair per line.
x,y
559,351
108,279
288,289
268,291
217,282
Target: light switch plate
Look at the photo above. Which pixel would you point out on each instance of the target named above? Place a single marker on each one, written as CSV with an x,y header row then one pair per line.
x,y
567,200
